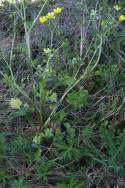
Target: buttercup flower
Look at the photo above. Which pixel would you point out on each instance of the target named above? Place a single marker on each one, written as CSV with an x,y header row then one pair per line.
x,y
122,18
50,15
58,10
43,19
117,7
15,103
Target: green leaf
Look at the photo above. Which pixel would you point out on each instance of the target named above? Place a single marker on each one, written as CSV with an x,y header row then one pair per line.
x,y
61,115
48,133
65,79
87,134
37,139
53,97
78,98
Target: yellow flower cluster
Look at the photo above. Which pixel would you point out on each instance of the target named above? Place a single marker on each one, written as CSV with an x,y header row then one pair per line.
x,y
122,18
51,15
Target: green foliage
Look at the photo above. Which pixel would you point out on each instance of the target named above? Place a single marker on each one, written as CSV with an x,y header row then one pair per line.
x,y
66,145
3,175
23,148
87,134
115,148
71,183
45,170
78,98
3,147
20,183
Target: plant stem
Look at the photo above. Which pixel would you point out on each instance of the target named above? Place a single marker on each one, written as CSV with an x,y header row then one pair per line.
x,y
75,83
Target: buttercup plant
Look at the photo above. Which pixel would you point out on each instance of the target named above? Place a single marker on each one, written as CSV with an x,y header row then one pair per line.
x,y
63,95
51,15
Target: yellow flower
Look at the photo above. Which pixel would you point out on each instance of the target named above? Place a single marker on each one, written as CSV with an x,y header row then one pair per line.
x,y
43,19
58,10
50,16
15,103
117,7
121,18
